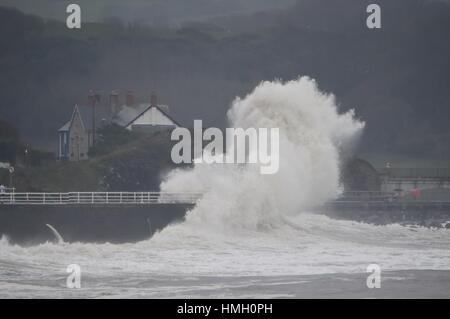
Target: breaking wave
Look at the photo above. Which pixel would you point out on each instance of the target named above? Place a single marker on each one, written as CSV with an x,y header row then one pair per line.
x,y
312,133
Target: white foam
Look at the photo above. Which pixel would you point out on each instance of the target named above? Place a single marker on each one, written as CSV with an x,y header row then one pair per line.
x,y
239,198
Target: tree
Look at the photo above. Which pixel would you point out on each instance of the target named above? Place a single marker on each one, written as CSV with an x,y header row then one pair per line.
x,y
9,142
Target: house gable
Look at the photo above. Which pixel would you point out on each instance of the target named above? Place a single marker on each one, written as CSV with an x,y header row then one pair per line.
x,y
152,116
77,120
73,138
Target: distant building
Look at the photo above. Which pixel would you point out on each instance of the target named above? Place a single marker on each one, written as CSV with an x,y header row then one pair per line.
x,y
144,117
76,136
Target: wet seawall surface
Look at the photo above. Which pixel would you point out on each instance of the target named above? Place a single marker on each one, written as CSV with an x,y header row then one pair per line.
x,y
27,224
99,223
420,213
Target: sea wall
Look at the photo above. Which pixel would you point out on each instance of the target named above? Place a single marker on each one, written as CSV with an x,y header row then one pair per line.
x,y
427,214
26,224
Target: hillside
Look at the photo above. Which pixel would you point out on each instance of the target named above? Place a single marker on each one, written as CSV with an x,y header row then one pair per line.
x,y
396,78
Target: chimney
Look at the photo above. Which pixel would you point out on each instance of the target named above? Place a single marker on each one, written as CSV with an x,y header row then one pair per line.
x,y
94,98
154,100
129,98
91,97
114,102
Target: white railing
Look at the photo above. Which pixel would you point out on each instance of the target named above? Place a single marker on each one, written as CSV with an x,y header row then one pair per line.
x,y
98,198
144,197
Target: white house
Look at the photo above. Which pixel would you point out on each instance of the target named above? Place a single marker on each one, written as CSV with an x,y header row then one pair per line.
x,y
74,138
145,117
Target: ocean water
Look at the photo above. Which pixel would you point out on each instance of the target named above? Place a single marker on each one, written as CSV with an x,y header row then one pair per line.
x,y
308,256
251,235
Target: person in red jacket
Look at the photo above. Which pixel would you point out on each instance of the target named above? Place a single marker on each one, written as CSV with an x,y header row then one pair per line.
x,y
416,193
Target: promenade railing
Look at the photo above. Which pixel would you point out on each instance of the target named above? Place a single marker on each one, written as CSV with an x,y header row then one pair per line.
x,y
98,198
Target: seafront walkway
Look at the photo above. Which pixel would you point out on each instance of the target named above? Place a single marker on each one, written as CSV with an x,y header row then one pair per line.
x,y
93,198
363,199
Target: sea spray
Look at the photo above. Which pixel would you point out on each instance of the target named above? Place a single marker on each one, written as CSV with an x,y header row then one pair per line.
x,y
312,131
55,233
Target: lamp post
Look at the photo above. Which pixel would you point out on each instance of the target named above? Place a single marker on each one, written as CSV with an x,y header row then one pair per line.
x,y
11,172
26,158
94,98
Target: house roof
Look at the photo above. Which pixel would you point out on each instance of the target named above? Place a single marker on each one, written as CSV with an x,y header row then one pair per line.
x,y
85,112
125,117
130,114
101,113
65,127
